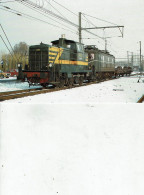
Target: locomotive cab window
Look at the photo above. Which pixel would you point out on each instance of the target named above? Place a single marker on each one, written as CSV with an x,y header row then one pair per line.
x,y
80,48
68,46
71,46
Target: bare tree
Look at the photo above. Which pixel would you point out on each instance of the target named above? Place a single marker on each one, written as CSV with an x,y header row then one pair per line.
x,y
21,48
18,55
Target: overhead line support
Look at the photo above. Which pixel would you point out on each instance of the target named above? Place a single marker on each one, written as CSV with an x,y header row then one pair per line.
x,y
80,29
103,27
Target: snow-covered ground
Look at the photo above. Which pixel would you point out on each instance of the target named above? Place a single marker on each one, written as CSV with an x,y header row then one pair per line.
x,y
121,90
66,143
13,84
72,149
8,79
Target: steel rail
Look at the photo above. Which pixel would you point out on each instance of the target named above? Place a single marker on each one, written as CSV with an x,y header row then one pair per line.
x,y
30,92
17,91
141,99
24,93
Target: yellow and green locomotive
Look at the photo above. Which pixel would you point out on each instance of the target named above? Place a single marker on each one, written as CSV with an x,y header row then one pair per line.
x,y
67,62
63,63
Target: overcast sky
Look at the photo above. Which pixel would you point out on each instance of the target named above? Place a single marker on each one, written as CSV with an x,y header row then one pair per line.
x,y
129,13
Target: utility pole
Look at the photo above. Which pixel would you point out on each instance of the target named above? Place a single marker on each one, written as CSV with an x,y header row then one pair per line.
x,y
105,45
80,28
141,69
132,60
128,57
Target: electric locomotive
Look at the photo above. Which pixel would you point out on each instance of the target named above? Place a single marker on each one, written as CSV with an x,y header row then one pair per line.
x,y
101,62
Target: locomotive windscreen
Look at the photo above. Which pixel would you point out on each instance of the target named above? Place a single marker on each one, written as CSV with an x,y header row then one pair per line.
x,y
38,59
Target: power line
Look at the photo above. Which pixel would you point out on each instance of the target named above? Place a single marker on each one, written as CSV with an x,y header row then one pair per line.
x,y
35,7
36,10
7,37
100,19
88,20
8,41
6,1
65,8
121,31
29,3
55,8
34,18
6,45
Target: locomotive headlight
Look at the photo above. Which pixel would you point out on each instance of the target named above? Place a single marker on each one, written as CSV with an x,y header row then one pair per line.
x,y
50,65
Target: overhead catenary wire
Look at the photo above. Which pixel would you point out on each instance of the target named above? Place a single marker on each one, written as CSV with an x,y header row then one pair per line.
x,y
89,20
103,44
8,41
103,29
7,1
27,16
6,37
35,6
55,8
6,45
100,19
106,22
29,3
65,8
26,3
34,18
31,17
36,10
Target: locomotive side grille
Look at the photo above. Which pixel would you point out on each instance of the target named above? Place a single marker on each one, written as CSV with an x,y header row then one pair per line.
x,y
38,60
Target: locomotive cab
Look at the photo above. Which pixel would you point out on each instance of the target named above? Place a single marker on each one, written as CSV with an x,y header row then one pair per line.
x,y
75,49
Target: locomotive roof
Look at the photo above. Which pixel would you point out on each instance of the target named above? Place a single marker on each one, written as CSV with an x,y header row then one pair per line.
x,y
66,40
40,45
93,48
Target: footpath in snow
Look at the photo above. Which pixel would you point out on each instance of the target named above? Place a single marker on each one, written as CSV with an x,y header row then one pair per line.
x,y
121,90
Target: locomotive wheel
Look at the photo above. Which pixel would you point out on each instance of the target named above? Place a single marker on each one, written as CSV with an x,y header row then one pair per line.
x,y
2,76
44,85
81,80
61,84
70,82
76,80
105,75
97,77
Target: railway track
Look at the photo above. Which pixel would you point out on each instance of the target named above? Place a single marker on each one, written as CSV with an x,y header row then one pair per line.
x,y
24,93
30,92
141,99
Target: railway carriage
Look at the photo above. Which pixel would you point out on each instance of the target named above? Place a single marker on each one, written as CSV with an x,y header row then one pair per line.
x,y
119,71
127,70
